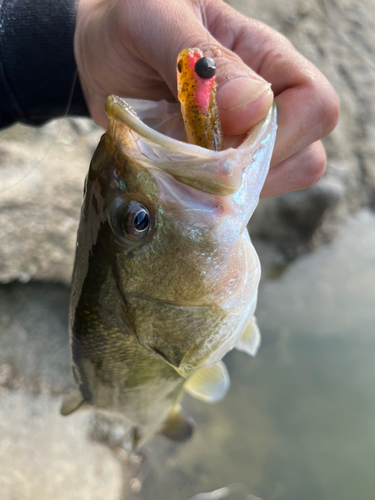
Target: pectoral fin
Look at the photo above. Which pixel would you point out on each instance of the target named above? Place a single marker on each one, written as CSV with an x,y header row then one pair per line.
x,y
178,427
209,384
250,340
72,402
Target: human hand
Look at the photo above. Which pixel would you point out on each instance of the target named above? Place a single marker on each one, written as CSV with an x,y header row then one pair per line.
x,y
129,48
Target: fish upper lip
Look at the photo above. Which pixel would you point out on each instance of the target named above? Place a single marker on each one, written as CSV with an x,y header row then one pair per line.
x,y
174,145
116,106
215,172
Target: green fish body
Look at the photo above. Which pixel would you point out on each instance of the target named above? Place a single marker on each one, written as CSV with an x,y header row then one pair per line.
x,y
165,277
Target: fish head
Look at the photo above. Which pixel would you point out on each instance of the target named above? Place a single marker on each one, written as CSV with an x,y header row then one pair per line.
x,y
172,226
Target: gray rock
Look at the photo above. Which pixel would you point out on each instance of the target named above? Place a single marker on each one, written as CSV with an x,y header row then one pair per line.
x,y
42,454
290,221
34,339
41,180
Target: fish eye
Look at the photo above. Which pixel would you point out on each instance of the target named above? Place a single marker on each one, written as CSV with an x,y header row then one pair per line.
x,y
205,67
136,221
179,66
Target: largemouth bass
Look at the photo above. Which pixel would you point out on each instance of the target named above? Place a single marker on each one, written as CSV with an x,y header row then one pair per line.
x,y
165,277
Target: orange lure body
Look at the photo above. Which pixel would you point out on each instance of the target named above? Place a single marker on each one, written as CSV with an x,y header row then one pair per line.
x,y
197,95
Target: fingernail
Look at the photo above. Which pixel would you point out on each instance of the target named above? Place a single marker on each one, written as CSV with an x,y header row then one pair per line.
x,y
239,92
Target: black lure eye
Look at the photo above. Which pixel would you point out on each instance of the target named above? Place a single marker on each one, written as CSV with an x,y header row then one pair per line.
x,y
136,221
179,66
205,67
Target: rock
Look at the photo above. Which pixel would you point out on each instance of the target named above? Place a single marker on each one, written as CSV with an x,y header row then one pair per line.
x,y
290,221
42,454
34,341
41,180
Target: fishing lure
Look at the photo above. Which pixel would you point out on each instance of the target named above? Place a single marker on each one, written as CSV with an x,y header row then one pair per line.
x,y
196,88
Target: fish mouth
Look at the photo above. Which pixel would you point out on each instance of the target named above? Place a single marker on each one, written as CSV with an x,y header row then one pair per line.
x,y
154,138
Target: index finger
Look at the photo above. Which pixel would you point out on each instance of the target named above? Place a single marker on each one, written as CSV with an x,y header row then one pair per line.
x,y
307,105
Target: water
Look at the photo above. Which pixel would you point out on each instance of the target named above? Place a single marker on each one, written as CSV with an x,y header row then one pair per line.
x,y
299,420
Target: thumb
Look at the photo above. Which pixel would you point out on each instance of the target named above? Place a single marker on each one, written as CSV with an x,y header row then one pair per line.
x,y
243,97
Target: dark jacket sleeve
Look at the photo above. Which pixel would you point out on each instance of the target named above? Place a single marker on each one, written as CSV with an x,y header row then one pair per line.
x,y
37,67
